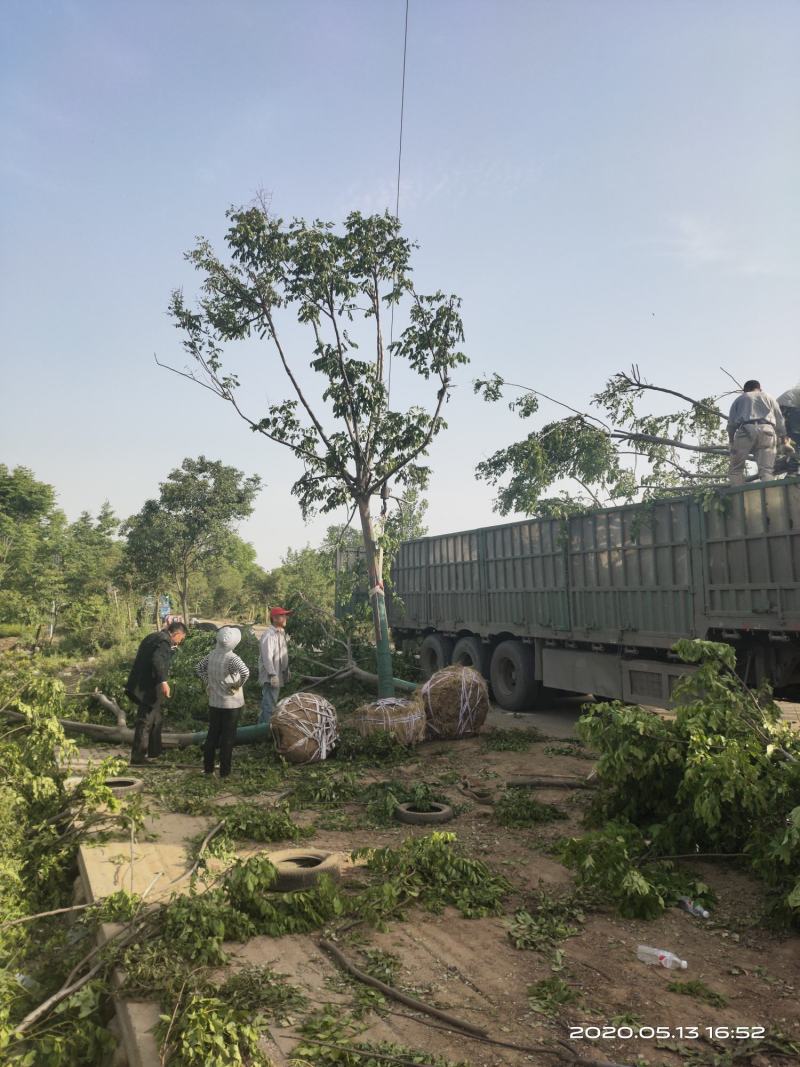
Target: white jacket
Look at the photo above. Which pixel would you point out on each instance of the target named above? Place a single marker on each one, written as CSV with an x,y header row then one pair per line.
x,y
273,656
223,673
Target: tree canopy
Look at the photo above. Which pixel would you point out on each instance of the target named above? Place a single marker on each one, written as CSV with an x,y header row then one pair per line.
x,y
189,525
338,286
617,452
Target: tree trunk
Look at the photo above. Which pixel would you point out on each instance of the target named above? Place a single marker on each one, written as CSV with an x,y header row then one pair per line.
x,y
184,591
377,600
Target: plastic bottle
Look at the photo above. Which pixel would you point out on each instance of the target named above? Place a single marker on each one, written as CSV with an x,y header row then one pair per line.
x,y
661,957
693,909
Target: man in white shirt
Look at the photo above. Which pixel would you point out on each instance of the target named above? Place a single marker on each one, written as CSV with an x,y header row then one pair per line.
x,y
755,423
273,662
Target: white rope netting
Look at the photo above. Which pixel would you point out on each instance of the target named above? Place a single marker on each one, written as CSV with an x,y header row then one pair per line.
x,y
471,694
403,718
304,725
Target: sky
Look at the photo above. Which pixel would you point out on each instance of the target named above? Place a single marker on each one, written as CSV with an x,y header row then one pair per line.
x,y
602,183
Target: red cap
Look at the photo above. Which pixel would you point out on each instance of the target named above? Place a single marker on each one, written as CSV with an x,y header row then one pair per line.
x,y
278,611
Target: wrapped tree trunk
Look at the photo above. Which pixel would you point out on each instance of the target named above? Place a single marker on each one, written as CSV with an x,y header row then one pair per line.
x,y
377,599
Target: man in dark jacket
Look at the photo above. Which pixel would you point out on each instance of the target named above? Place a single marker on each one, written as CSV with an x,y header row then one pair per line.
x,y
148,688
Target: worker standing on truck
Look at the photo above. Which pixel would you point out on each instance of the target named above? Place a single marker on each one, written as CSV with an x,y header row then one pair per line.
x,y
755,423
273,662
789,403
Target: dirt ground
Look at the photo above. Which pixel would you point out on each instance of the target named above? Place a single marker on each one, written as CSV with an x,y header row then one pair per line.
x,y
471,969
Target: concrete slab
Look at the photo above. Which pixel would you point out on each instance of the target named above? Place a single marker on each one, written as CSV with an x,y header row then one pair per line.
x,y
157,864
556,719
137,1020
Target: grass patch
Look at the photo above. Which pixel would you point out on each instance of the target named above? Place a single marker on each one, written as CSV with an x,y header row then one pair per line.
x,y
517,808
510,740
549,995
330,1039
378,749
576,751
699,991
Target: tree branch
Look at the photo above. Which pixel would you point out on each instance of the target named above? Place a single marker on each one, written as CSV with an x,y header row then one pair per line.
x,y
710,450
635,381
219,390
395,994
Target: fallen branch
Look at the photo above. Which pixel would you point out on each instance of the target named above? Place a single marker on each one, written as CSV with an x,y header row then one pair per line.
x,y
543,1049
163,1051
110,705
395,994
368,1054
211,833
56,998
43,915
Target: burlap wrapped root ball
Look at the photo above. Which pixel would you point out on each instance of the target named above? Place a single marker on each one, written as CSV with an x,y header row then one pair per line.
x,y
403,719
456,702
304,728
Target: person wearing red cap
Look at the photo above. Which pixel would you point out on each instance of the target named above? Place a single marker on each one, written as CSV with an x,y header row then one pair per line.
x,y
273,662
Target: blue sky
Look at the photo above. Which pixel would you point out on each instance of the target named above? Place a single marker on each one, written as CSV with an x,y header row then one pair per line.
x,y
601,182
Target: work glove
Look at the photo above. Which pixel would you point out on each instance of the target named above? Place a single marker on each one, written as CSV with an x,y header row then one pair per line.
x,y
275,682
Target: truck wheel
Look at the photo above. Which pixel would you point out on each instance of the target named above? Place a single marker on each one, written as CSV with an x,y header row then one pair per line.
x,y
513,679
435,653
471,652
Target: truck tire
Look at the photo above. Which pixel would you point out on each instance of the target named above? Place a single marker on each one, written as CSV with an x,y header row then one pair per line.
x,y
471,652
513,676
435,653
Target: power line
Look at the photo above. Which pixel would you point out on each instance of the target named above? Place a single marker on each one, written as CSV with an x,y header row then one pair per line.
x,y
397,198
402,112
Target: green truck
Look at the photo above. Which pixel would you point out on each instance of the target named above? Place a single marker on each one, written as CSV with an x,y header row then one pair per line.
x,y
594,603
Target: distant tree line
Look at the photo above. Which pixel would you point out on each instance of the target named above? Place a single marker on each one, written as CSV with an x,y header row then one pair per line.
x,y
89,584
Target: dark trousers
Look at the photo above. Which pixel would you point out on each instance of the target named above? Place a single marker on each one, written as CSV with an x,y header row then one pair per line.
x,y
222,724
147,732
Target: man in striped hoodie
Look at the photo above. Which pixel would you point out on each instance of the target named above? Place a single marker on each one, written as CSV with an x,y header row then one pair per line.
x,y
224,674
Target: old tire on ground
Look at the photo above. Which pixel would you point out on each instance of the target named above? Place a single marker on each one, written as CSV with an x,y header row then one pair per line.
x,y
440,813
472,652
124,787
513,676
435,653
299,868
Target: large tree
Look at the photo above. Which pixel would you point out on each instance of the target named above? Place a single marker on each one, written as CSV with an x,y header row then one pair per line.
x,y
339,286
618,451
189,525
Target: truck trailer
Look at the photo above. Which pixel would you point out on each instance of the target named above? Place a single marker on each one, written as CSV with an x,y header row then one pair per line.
x,y
594,603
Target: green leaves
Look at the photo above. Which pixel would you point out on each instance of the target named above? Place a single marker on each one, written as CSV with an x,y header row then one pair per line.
x,y
723,776
547,920
593,451
432,871
517,808
205,1031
